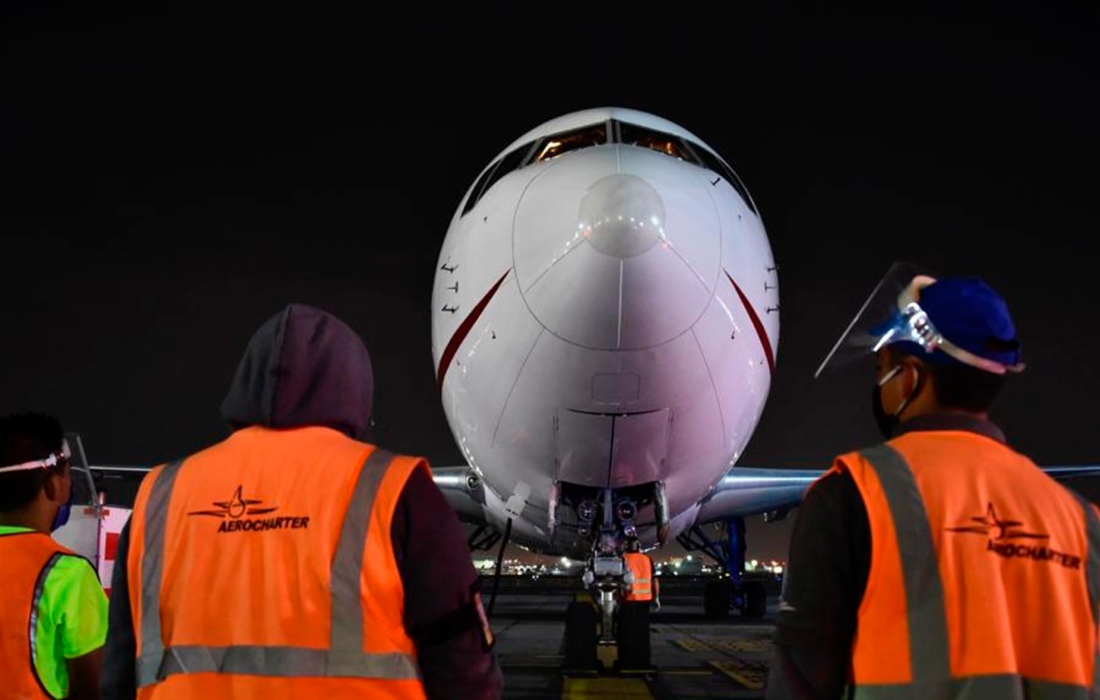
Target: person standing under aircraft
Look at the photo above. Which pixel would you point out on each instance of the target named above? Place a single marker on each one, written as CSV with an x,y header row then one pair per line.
x,y
53,622
632,627
292,560
643,587
941,563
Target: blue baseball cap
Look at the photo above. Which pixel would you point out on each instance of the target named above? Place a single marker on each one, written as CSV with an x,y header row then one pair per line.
x,y
967,312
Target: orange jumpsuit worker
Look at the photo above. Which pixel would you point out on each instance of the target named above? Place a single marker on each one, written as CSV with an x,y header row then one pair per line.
x,y
293,560
942,563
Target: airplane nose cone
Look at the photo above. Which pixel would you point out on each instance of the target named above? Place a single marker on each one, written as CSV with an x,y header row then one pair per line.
x,y
622,215
617,247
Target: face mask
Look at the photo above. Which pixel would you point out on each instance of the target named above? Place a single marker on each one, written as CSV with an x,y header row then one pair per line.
x,y
887,422
62,516
883,420
63,511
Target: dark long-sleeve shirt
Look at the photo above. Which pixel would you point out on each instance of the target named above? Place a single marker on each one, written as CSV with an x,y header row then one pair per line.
x,y
439,581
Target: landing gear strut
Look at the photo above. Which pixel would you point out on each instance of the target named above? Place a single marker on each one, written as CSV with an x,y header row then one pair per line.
x,y
597,628
748,597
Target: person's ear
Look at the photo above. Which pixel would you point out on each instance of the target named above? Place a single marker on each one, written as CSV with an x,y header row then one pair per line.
x,y
914,374
52,486
58,486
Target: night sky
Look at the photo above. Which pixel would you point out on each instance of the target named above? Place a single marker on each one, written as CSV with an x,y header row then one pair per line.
x,y
175,178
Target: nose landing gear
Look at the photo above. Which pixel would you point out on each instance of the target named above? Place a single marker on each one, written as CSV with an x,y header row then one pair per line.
x,y
600,630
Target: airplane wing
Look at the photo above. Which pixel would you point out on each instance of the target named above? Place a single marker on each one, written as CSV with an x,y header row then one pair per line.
x,y
746,491
1083,471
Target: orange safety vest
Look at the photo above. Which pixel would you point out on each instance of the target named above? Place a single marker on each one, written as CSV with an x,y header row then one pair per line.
x,y
641,567
984,578
26,559
263,567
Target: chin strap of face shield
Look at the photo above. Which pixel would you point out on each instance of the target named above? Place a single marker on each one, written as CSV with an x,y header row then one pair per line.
x,y
51,460
915,326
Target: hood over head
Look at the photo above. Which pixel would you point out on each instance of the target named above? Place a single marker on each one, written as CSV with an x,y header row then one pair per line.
x,y
303,367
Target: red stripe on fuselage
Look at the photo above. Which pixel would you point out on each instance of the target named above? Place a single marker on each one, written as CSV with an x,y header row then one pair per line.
x,y
756,323
463,330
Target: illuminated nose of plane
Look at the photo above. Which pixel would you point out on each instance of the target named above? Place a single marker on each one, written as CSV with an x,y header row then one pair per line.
x,y
622,215
617,248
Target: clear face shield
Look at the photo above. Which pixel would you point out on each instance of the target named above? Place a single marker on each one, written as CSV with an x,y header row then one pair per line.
x,y
891,314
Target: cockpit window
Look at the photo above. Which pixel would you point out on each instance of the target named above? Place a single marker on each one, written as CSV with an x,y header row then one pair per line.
x,y
597,135
634,135
713,162
497,170
554,146
479,187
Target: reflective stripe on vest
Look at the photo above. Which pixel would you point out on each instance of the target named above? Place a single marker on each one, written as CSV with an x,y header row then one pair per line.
x,y
929,643
39,589
1092,571
344,657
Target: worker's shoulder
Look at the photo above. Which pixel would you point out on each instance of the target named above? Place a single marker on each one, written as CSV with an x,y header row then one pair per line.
x,y
71,582
385,456
835,494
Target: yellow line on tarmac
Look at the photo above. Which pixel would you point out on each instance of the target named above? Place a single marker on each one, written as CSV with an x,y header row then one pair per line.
x,y
751,675
602,688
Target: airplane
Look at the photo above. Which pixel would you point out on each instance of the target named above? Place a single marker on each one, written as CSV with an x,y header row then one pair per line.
x,y
605,327
605,322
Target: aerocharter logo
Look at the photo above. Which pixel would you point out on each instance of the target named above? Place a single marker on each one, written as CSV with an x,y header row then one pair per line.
x,y
234,511
1003,535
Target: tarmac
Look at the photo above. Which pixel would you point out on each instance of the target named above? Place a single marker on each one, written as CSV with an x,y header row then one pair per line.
x,y
694,656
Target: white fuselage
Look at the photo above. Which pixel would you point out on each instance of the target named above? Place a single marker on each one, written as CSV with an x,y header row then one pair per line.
x,y
602,319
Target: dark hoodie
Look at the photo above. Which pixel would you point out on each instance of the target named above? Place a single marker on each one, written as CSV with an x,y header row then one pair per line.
x,y
305,367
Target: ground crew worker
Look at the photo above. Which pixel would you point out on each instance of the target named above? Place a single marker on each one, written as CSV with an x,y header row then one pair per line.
x,y
632,626
53,622
292,560
644,586
942,563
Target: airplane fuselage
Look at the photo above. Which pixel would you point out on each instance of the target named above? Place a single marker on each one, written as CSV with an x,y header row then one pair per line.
x,y
604,328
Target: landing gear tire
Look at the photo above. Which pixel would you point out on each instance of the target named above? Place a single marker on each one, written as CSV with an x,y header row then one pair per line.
x,y
580,640
716,599
632,638
756,600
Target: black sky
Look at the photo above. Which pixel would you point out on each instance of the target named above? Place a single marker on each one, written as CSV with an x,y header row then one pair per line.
x,y
176,177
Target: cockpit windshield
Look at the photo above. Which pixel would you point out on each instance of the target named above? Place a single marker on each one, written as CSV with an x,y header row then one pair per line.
x,y
557,144
634,135
601,133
